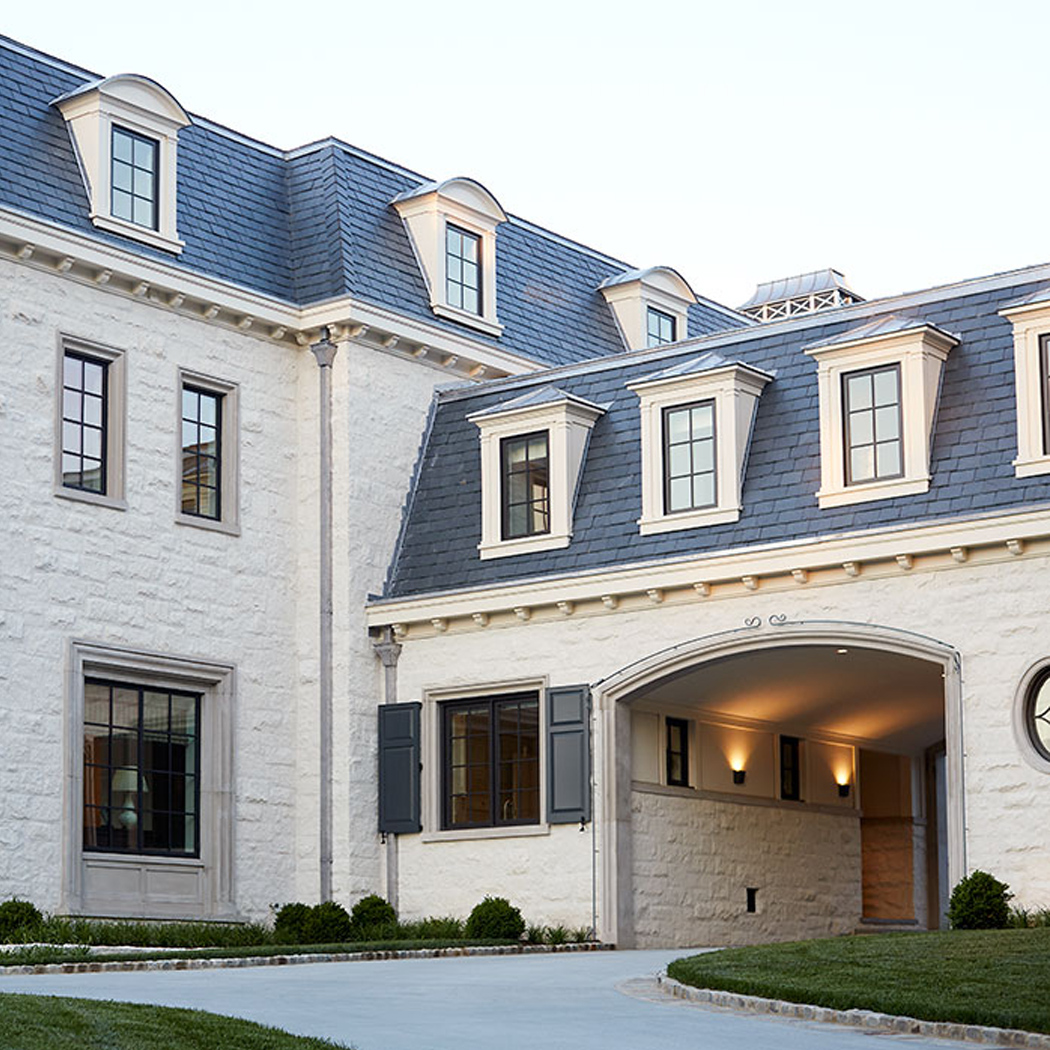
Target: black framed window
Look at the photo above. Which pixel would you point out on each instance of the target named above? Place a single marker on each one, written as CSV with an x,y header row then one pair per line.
x,y
790,769
201,453
491,761
84,422
141,769
134,178
463,269
1037,713
872,410
525,485
690,481
1044,376
660,327
678,752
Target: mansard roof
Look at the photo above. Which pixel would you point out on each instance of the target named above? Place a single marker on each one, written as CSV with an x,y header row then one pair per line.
x,y
974,443
309,224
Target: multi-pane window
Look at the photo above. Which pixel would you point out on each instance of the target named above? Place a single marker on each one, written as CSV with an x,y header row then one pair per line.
x,y
83,423
1044,375
491,761
872,410
689,457
134,178
1037,713
463,269
525,485
141,763
660,327
790,769
678,752
201,452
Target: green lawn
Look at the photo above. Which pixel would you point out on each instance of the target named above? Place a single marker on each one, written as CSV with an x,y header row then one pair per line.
x,y
37,1022
990,977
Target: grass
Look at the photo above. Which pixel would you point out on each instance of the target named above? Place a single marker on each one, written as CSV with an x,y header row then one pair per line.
x,y
35,1022
987,977
44,954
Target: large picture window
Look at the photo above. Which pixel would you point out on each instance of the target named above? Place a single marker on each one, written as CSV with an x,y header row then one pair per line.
x,y
689,457
525,485
141,769
84,422
872,403
463,269
491,761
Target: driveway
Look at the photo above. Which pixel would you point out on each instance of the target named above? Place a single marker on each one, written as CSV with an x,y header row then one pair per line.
x,y
591,1001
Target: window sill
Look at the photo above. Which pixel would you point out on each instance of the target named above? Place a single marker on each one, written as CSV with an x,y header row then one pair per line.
x,y
99,499
139,233
1028,468
688,520
452,313
208,524
526,545
872,491
138,859
471,834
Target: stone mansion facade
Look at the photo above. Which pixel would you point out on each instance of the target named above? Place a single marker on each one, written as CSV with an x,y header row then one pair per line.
x,y
364,537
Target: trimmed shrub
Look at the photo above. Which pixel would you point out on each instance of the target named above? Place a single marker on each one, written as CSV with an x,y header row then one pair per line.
x,y
327,923
18,918
372,913
979,902
290,925
495,919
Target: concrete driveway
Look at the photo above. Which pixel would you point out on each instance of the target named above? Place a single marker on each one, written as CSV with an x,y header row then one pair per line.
x,y
591,1001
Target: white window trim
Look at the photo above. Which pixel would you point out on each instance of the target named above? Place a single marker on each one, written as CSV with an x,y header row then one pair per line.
x,y
735,389
432,743
568,423
140,105
1030,323
630,296
214,866
116,426
230,446
426,212
920,352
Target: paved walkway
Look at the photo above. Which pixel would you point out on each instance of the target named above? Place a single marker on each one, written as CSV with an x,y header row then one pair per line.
x,y
590,1001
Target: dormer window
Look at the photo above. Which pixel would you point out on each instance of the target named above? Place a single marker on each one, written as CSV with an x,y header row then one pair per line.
x,y
878,386
532,451
133,178
463,269
690,481
651,306
1030,318
452,227
125,133
660,327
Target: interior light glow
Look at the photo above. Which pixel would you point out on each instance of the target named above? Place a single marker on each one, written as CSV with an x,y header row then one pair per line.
x,y
841,651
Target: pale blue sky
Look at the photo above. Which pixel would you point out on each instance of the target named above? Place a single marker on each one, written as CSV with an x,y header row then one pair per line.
x,y
902,142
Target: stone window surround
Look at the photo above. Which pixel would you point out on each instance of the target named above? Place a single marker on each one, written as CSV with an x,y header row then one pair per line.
x,y
1030,680
735,389
432,743
116,421
1031,324
920,352
212,872
230,466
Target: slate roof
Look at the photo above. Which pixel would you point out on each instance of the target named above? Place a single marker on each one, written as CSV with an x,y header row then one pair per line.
x,y
309,224
891,324
973,446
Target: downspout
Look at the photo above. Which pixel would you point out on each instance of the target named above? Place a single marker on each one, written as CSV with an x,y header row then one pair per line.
x,y
388,652
324,351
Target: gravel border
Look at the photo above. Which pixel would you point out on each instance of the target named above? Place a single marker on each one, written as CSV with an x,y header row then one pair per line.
x,y
868,1019
296,960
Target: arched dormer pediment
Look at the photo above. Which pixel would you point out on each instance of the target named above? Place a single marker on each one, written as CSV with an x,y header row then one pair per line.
x,y
452,226
125,132
651,306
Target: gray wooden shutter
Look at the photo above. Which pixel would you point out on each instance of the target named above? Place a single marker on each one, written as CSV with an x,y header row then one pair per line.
x,y
399,768
568,754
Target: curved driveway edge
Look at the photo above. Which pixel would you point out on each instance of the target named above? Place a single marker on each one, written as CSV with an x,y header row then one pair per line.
x,y
135,965
870,1019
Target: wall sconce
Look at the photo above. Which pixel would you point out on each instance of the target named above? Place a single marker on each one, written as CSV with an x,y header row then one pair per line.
x,y
843,789
739,775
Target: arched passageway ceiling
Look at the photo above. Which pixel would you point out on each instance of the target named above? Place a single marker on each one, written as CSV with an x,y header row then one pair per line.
x,y
893,701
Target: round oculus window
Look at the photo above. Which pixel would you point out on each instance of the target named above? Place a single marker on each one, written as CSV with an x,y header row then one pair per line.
x,y
1037,713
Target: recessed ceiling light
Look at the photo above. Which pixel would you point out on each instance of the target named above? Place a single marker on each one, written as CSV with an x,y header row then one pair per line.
x,y
840,651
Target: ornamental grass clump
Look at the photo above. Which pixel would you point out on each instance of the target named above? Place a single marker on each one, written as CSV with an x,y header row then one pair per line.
x,y
495,919
979,902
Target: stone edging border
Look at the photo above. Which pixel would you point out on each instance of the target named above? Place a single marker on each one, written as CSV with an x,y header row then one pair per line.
x,y
868,1019
295,960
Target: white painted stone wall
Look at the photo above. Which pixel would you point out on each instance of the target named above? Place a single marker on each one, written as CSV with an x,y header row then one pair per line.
x,y
695,858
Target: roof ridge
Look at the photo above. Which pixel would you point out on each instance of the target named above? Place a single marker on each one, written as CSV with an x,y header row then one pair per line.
x,y
52,60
